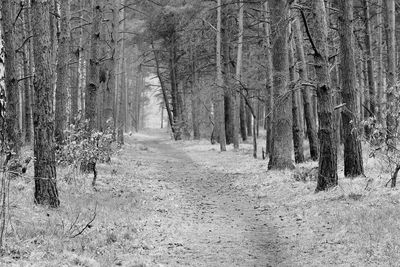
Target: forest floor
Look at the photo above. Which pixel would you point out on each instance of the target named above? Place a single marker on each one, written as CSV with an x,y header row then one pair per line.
x,y
165,203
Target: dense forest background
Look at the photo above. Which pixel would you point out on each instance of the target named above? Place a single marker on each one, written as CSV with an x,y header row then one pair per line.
x,y
298,80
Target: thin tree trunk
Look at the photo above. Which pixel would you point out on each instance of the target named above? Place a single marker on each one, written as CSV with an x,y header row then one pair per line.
x,y
44,147
327,165
369,54
269,80
219,95
296,128
62,72
27,109
236,94
391,70
121,87
379,91
305,91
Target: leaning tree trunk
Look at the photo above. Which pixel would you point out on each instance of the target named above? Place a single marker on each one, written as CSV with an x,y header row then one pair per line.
x,y
307,103
327,165
12,132
282,145
353,162
44,146
62,71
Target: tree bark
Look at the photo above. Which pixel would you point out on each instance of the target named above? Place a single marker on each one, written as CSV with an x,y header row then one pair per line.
x,y
62,72
12,131
236,94
219,94
121,88
391,71
110,89
305,92
92,82
327,165
297,127
269,80
44,146
353,162
370,55
379,91
282,145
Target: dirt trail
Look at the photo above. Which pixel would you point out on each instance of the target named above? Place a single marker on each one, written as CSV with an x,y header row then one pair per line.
x,y
195,216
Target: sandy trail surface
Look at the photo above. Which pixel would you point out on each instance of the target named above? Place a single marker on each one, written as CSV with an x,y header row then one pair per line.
x,y
195,216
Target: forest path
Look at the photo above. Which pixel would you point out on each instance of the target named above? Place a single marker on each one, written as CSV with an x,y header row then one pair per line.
x,y
195,217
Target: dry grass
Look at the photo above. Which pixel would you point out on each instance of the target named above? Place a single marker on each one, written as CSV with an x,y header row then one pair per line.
x,y
355,224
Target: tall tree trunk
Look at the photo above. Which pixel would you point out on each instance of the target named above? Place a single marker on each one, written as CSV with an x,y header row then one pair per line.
x,y
391,70
297,127
379,91
236,94
369,54
44,146
305,92
327,165
12,131
110,89
92,82
282,145
269,79
27,109
121,84
227,72
353,162
62,72
242,115
219,95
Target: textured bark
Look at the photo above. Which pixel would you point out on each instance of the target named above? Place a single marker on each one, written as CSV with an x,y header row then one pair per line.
x,y
121,85
238,76
62,71
281,156
353,162
391,70
305,91
227,72
109,94
219,94
44,146
369,54
242,115
195,97
12,131
27,108
296,126
327,165
379,89
92,81
269,80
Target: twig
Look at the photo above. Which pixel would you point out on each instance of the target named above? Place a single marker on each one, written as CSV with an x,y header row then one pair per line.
x,y
88,225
